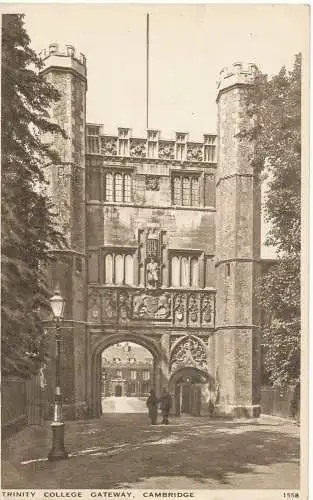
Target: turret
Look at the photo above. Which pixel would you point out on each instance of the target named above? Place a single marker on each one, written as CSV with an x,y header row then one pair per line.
x,y
237,249
67,72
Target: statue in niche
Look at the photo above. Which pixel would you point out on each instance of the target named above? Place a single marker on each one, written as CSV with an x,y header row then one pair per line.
x,y
152,272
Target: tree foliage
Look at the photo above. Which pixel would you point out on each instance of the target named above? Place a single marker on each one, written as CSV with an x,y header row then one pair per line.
x,y
28,228
275,105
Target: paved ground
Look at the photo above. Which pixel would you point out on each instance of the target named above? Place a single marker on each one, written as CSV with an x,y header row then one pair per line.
x,y
123,405
125,451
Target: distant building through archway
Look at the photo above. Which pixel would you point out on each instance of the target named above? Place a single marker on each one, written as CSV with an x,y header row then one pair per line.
x,y
127,370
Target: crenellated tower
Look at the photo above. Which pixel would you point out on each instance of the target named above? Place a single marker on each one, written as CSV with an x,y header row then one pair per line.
x,y
237,250
66,71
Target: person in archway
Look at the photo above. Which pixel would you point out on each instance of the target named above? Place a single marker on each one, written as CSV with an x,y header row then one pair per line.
x,y
165,405
152,404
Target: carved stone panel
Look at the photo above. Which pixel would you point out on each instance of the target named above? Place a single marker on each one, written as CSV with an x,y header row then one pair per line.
x,y
180,309
94,307
109,305
190,352
109,146
193,309
152,183
194,152
124,307
207,310
138,148
166,150
152,305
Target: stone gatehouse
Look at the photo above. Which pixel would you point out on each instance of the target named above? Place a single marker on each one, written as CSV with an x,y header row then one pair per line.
x,y
163,248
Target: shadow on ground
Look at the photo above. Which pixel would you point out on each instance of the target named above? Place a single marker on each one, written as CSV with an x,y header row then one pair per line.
x,y
124,451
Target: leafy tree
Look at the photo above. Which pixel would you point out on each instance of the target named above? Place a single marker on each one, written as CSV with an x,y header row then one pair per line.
x,y
28,221
275,105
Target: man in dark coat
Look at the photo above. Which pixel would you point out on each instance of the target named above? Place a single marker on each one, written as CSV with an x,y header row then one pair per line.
x,y
152,403
165,405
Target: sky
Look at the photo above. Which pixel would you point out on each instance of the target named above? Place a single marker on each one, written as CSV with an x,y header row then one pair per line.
x,y
189,45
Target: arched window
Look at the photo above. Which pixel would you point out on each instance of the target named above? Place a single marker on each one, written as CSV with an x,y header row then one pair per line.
x,y
119,269
177,191
194,269
129,270
195,191
118,187
185,272
108,269
127,188
186,191
175,272
108,187
93,267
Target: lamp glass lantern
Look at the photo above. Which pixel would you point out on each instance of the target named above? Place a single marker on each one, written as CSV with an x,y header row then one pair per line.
x,y
57,304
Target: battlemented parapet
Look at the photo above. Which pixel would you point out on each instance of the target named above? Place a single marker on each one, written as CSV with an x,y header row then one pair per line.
x,y
152,147
238,74
66,58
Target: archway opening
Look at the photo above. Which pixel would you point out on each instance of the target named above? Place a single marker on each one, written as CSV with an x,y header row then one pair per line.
x,y
127,376
188,385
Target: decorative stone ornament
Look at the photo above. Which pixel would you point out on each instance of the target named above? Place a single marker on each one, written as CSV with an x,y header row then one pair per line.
x,y
109,146
189,352
194,152
152,183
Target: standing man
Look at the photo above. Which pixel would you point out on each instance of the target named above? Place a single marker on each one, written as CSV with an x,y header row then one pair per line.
x,y
165,405
152,403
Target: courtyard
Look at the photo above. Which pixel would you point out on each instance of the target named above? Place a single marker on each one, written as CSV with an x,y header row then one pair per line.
x,y
122,450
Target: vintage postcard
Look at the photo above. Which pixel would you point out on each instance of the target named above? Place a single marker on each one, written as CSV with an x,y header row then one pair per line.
x,y
154,228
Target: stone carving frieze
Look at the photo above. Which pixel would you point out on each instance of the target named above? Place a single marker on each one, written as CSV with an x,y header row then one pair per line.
x,y
123,305
166,150
194,152
152,183
138,148
109,146
152,305
190,352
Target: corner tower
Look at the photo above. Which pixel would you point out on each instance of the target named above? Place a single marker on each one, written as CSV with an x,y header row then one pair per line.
x,y
66,71
237,250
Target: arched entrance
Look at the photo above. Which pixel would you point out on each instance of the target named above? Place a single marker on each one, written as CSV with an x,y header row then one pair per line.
x,y
118,391
187,385
96,388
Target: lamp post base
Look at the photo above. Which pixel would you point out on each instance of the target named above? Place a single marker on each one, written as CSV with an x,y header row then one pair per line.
x,y
58,451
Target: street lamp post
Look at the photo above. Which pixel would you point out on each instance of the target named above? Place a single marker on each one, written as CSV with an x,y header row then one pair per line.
x,y
57,451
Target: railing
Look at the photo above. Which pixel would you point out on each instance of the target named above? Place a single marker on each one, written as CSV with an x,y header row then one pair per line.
x,y
173,307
